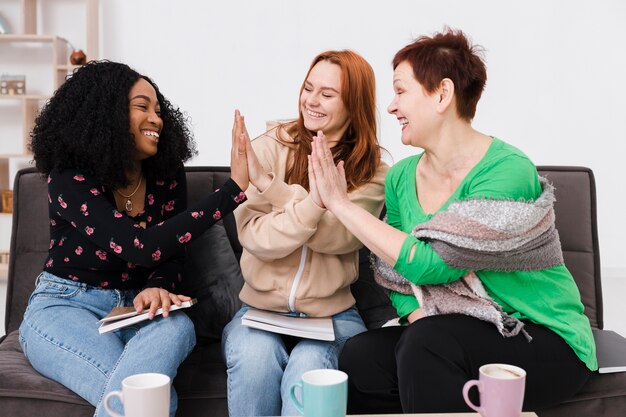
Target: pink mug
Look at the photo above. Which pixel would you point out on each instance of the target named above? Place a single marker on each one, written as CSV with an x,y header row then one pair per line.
x,y
501,390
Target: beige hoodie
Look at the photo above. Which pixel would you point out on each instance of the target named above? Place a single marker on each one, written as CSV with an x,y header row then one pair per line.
x,y
298,256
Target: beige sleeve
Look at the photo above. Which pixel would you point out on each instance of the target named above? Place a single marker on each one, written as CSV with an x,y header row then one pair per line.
x,y
281,219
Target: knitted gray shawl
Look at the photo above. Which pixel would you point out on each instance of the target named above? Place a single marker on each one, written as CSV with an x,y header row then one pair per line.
x,y
482,234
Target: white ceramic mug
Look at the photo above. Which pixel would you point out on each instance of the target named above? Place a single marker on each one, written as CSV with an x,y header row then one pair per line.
x,y
142,395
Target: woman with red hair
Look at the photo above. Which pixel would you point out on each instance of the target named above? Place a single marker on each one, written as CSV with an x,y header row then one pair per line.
x,y
298,259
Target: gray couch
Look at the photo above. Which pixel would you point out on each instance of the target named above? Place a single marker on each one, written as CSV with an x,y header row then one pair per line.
x,y
201,381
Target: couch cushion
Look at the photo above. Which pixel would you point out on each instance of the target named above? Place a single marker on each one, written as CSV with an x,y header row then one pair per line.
x,y
27,393
213,276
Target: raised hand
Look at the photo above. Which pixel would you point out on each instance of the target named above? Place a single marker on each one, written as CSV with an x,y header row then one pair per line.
x,y
238,150
315,195
330,180
258,177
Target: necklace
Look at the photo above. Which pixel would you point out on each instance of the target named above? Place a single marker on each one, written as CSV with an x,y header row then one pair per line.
x,y
129,204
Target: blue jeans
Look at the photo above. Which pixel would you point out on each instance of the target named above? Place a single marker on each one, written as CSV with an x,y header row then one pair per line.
x,y
261,370
59,335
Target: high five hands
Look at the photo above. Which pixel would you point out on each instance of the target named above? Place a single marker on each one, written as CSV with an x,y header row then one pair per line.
x,y
244,164
327,181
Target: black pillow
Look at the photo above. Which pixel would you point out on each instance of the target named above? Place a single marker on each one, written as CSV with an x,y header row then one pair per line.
x,y
372,300
213,276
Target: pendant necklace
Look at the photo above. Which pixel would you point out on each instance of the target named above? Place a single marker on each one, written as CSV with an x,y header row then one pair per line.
x,y
129,204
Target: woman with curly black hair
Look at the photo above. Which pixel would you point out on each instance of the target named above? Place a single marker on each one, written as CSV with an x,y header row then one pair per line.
x,y
112,148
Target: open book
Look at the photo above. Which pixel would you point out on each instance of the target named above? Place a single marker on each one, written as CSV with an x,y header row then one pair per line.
x,y
320,328
125,316
610,350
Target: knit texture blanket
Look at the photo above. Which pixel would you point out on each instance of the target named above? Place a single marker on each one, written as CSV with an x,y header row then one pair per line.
x,y
481,234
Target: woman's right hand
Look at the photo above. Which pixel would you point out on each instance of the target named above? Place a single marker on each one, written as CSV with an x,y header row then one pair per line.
x,y
238,159
256,173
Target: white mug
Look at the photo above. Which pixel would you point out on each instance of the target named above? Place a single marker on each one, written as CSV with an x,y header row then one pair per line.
x,y
142,395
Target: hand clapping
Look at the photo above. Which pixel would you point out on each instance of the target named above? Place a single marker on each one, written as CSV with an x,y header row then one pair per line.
x,y
328,180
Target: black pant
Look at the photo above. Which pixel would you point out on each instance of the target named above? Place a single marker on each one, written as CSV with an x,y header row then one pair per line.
x,y
423,367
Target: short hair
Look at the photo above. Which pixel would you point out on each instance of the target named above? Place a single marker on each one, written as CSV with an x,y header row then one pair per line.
x,y
448,54
358,148
86,126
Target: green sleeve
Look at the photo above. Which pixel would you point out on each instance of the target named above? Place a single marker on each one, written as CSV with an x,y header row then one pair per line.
x,y
404,304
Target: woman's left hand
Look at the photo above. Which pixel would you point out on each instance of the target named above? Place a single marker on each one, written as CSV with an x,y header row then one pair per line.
x,y
330,180
153,298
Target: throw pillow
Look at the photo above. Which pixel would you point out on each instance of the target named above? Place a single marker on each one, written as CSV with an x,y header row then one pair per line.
x,y
213,276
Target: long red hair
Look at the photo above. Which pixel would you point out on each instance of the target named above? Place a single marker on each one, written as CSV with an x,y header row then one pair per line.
x,y
358,148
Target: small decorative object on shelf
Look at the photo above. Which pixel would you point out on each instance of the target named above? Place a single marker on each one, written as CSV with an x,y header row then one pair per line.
x,y
7,201
4,26
78,57
12,84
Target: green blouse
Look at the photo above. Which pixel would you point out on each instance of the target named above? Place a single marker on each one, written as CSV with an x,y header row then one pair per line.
x,y
548,297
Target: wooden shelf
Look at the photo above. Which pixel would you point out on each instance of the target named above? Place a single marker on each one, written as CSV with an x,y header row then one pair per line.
x,y
25,97
59,58
29,38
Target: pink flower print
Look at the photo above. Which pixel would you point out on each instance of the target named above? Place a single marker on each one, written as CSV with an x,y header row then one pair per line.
x,y
83,207
137,225
101,254
173,185
160,182
51,243
156,255
241,197
94,191
78,250
150,199
184,238
117,214
66,259
217,215
49,263
73,224
62,240
197,214
149,219
53,222
49,179
89,230
160,223
104,284
79,178
125,276
116,248
137,243
72,277
169,206
61,202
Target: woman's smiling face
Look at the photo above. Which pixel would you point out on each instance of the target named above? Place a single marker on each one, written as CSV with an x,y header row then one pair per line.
x,y
321,103
145,119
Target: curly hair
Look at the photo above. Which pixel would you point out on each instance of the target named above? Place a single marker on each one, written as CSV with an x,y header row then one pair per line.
x,y
86,126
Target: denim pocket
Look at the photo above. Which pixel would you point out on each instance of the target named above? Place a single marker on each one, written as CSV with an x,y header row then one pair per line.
x,y
56,289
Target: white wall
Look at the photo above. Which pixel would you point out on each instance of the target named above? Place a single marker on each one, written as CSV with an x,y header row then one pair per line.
x,y
555,70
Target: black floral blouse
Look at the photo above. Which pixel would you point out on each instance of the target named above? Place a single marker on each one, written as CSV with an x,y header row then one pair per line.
x,y
92,242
